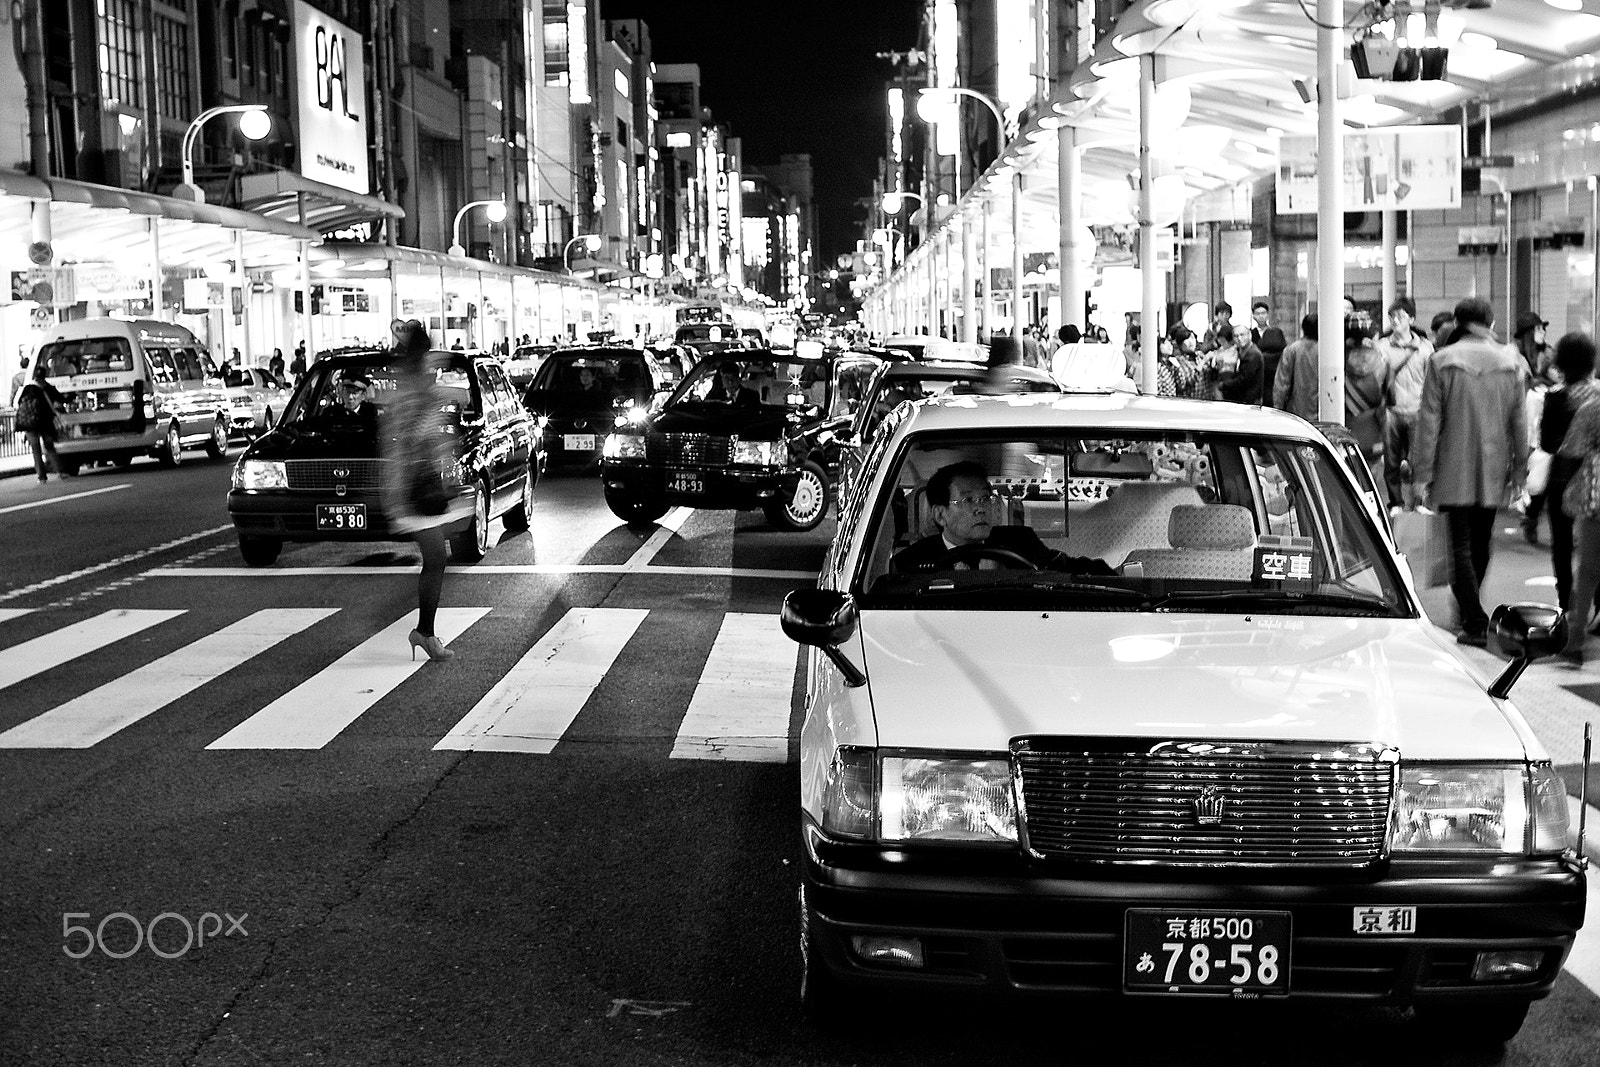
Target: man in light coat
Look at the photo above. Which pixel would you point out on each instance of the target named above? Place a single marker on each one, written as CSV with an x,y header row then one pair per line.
x,y
1470,452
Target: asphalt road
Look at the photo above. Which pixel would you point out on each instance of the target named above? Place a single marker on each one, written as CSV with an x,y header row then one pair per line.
x,y
378,899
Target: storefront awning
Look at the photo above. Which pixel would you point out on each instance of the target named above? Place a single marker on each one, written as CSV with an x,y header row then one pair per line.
x,y
65,191
290,197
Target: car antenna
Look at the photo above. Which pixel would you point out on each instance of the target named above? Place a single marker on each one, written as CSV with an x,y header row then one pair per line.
x,y
1583,791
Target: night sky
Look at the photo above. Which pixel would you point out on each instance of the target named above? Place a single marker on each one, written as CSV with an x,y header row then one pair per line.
x,y
792,77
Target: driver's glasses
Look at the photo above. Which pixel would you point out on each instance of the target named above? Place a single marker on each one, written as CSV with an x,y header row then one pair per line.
x,y
975,500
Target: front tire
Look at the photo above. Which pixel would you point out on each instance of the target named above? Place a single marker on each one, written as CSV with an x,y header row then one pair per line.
x,y
170,452
806,507
217,444
633,511
259,551
517,519
472,544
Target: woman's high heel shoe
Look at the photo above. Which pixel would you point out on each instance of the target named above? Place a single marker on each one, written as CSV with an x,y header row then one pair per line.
x,y
430,644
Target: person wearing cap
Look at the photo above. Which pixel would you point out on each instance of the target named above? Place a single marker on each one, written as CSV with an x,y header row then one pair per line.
x,y
1529,338
1470,453
354,411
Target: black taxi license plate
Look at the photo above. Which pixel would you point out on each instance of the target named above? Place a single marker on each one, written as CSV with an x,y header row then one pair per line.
x,y
1187,952
342,517
685,482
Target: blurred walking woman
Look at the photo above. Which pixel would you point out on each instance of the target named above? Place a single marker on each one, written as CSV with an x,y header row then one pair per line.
x,y
1581,502
418,477
1574,360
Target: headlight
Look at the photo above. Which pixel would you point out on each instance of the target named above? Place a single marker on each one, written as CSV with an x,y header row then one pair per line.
x,y
634,415
1455,808
623,446
759,453
260,474
919,798
947,799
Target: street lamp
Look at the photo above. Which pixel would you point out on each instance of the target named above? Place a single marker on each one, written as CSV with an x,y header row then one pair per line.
x,y
254,122
927,106
493,210
893,201
591,242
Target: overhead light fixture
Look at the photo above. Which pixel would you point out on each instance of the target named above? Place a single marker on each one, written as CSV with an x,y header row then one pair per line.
x,y
1566,5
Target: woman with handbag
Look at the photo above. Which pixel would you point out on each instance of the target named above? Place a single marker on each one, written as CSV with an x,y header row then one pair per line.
x,y
1580,498
37,404
1366,386
418,479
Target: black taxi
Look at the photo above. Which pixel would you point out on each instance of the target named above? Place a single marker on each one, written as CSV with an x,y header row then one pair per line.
x,y
317,474
579,393
735,434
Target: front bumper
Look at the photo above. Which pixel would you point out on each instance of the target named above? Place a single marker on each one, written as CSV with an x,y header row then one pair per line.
x,y
726,488
287,515
1000,924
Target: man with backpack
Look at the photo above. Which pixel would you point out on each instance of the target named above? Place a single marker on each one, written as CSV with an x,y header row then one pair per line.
x,y
37,404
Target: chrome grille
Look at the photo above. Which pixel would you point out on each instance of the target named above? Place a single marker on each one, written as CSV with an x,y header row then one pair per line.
x,y
1205,803
697,448
357,474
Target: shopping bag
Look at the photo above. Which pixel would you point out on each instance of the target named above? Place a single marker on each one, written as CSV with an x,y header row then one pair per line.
x,y
1424,539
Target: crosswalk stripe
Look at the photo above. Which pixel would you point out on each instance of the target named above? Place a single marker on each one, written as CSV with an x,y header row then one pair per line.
x,y
531,707
21,662
6,614
317,710
98,714
740,708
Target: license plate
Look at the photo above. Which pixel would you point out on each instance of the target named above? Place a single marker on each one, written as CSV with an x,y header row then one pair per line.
x,y
345,517
685,482
578,442
1242,954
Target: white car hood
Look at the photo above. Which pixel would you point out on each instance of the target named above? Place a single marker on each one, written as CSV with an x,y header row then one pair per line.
x,y
976,679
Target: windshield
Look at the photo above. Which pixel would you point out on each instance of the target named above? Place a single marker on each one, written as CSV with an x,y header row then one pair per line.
x,y
688,335
772,381
598,377
350,396
1154,520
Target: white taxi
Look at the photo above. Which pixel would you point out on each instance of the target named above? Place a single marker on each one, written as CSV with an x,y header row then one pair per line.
x,y
1125,695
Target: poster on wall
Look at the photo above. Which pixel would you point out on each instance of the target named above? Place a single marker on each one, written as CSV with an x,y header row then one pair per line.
x,y
330,81
1405,168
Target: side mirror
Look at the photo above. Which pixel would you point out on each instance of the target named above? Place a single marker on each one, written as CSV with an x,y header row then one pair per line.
x,y
1525,632
825,619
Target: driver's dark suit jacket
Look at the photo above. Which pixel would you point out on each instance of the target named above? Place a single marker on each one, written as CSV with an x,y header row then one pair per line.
x,y
925,554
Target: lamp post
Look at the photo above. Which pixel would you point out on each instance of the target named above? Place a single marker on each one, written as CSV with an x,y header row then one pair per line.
x,y
591,241
254,122
493,210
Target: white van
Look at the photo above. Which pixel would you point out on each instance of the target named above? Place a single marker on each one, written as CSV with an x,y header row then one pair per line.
x,y
133,387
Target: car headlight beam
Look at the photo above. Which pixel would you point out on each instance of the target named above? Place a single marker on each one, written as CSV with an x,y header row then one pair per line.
x,y
1469,808
623,446
260,474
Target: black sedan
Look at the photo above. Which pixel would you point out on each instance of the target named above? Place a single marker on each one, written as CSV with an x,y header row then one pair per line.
x,y
580,394
317,475
733,435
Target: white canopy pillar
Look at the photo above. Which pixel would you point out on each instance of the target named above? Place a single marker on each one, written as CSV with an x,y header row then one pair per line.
x,y
983,268
1390,271
1069,211
1017,320
969,316
1149,273
1330,214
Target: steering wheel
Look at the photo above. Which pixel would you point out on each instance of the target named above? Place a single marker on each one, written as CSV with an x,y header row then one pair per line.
x,y
977,551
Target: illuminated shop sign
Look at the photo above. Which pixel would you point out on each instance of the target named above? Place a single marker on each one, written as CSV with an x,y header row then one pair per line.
x,y
331,81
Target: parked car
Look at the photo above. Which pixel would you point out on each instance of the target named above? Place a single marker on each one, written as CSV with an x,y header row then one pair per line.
x,y
580,393
133,387
317,474
1165,720
734,444
525,362
256,399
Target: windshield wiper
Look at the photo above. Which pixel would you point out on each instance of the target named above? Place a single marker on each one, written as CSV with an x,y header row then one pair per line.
x,y
1036,581
1275,598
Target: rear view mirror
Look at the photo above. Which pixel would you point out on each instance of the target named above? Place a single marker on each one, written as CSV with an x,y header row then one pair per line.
x,y
1525,632
824,619
1111,464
